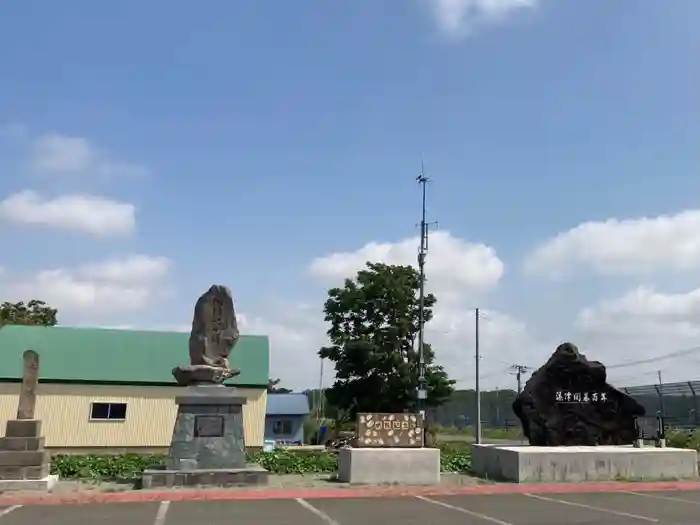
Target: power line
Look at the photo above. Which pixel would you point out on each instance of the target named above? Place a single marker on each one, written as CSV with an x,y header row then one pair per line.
x,y
671,355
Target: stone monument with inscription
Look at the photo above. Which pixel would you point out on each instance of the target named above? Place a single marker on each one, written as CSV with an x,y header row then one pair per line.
x,y
580,428
389,448
24,463
208,443
568,402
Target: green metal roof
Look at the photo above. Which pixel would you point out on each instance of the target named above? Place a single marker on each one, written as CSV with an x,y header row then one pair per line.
x,y
118,356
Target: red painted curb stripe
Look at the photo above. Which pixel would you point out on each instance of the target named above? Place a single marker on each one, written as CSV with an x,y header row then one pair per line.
x,y
360,492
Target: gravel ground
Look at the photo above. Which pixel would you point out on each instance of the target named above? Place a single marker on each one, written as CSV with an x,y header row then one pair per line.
x,y
290,481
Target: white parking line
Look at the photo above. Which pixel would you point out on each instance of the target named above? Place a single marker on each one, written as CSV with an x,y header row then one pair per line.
x,y
162,511
6,511
464,511
669,498
592,507
308,506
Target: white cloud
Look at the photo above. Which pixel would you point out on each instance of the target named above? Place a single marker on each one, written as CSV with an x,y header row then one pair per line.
x,y
457,271
297,332
85,213
503,341
639,327
62,155
622,247
127,284
645,312
456,18
135,268
453,265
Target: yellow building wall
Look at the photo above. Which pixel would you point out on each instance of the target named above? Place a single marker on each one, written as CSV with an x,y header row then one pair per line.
x,y
150,415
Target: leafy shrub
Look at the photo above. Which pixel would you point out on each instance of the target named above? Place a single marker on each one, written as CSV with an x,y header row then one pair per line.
x,y
285,461
680,438
112,467
455,457
458,462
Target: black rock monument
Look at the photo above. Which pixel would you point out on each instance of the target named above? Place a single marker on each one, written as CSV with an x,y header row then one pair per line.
x,y
568,402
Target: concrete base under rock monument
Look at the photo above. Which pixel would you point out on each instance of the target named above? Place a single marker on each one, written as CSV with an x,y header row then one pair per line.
x,y
574,464
403,466
208,446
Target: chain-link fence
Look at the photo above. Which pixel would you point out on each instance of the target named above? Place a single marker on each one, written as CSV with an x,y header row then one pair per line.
x,y
676,402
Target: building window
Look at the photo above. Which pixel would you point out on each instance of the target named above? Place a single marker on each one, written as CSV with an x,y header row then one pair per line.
x,y
282,427
108,411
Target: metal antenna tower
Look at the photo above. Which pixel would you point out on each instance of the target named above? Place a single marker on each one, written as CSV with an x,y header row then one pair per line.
x,y
422,254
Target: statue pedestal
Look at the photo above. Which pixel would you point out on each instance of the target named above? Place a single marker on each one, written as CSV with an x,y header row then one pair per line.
x,y
208,444
24,463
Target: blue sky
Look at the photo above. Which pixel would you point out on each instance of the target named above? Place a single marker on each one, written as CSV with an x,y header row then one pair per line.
x,y
150,149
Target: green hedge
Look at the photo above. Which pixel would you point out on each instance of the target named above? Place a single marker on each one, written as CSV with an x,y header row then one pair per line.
x,y
114,467
454,457
281,461
285,461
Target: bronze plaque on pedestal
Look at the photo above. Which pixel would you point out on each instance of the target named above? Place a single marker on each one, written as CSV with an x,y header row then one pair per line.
x,y
383,430
208,426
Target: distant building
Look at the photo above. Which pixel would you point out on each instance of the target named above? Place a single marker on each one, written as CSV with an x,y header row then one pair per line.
x,y
285,418
112,390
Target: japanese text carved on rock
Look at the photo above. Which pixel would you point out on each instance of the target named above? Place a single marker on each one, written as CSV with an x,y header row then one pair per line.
x,y
213,336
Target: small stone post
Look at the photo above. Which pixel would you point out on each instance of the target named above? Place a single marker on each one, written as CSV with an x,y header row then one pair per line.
x,y
30,380
24,463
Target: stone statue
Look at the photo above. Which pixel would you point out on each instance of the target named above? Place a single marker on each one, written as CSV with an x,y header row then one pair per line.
x,y
213,336
568,402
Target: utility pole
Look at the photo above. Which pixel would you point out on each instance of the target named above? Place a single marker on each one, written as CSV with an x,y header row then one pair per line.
x,y
519,371
477,388
321,398
660,390
422,392
498,408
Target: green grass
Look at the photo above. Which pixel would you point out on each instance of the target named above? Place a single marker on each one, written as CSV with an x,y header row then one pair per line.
x,y
487,432
681,438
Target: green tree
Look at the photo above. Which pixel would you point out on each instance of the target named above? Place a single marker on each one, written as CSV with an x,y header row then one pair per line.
x,y
34,312
374,322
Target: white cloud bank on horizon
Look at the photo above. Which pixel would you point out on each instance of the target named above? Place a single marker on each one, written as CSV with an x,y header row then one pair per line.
x,y
118,285
453,265
644,324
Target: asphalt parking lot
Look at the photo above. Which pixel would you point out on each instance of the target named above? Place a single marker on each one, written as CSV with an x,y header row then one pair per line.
x,y
618,508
